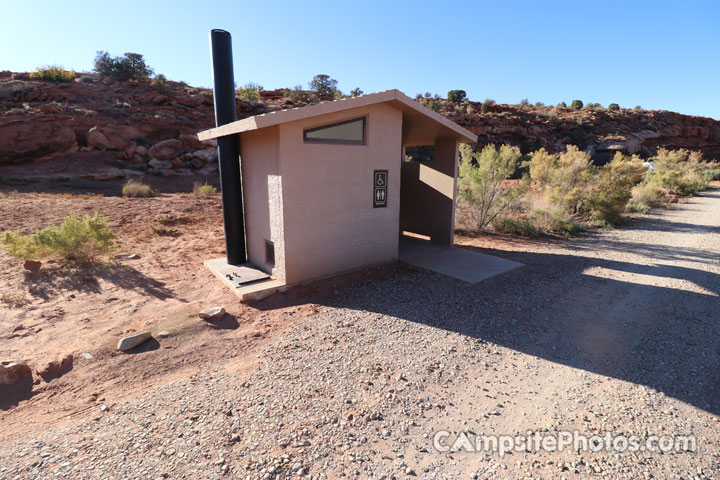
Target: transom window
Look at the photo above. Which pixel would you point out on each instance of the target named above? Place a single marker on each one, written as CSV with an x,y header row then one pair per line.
x,y
349,131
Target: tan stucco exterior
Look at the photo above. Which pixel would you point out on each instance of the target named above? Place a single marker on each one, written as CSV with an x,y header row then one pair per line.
x,y
313,201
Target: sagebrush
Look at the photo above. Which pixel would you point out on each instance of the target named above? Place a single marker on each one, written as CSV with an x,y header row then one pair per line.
x,y
76,239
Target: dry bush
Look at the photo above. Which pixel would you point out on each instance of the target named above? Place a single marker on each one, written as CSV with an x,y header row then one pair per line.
x,y
137,189
203,189
644,197
562,178
482,182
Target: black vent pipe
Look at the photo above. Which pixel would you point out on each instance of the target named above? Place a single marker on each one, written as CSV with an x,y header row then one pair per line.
x,y
228,146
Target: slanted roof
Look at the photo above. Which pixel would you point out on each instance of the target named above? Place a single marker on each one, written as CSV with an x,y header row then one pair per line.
x,y
421,126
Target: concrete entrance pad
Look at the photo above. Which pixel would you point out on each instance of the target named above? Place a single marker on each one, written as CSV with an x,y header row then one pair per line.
x,y
246,282
453,261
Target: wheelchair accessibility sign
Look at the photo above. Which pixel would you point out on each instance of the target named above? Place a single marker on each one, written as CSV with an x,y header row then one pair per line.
x,y
380,188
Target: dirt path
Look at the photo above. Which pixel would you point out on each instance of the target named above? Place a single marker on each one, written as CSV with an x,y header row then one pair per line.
x,y
616,332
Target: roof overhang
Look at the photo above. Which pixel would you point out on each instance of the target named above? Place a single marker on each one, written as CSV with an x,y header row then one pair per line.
x,y
421,125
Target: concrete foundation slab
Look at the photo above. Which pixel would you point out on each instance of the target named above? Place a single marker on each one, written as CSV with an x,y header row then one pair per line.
x,y
453,261
245,281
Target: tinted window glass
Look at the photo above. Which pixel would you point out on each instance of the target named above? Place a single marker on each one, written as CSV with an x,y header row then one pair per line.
x,y
352,131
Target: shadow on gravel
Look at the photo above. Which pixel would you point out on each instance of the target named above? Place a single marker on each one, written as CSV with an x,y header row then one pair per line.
x,y
654,331
51,281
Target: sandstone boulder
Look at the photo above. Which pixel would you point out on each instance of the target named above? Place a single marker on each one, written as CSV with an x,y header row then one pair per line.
x,y
55,368
13,372
212,313
206,155
191,142
133,341
116,137
167,149
158,164
36,139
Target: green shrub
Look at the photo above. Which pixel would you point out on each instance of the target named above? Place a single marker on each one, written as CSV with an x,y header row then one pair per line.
x,y
456,95
679,171
517,226
250,92
613,106
324,86
562,178
644,197
711,174
87,79
611,189
487,104
165,232
53,73
137,189
553,221
356,92
295,95
562,105
81,240
130,66
681,180
203,189
576,104
481,182
161,84
537,223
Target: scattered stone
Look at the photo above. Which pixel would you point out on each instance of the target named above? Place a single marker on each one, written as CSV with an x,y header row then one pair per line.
x,y
14,371
129,256
55,368
133,341
104,408
32,265
163,334
212,313
86,356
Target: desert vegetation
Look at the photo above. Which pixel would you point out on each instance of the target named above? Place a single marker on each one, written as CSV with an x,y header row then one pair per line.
x,y
130,66
137,189
201,189
53,73
564,193
81,240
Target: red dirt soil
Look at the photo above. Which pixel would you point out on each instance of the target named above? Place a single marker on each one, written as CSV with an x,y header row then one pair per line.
x,y
67,309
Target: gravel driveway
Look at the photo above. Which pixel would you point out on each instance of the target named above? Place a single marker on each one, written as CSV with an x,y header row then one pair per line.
x,y
616,332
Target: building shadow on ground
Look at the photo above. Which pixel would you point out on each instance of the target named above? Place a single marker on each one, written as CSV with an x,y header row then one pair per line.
x,y
648,321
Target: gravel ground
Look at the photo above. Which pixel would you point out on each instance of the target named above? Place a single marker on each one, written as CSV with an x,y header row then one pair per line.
x,y
614,332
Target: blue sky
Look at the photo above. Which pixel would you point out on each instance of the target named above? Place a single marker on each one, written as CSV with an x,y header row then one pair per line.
x,y
657,54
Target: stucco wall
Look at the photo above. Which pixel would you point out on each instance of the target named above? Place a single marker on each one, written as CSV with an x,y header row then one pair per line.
x,y
330,224
262,198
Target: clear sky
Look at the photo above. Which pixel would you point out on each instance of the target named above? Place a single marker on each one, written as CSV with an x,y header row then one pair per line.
x,y
658,54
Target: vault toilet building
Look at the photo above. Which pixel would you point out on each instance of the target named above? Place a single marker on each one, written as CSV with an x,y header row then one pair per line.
x,y
326,187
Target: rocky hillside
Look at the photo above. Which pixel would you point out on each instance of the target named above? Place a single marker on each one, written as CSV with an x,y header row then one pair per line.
x,y
153,129
601,132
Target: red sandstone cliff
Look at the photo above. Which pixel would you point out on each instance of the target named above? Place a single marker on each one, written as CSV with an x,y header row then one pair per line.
x,y
155,130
